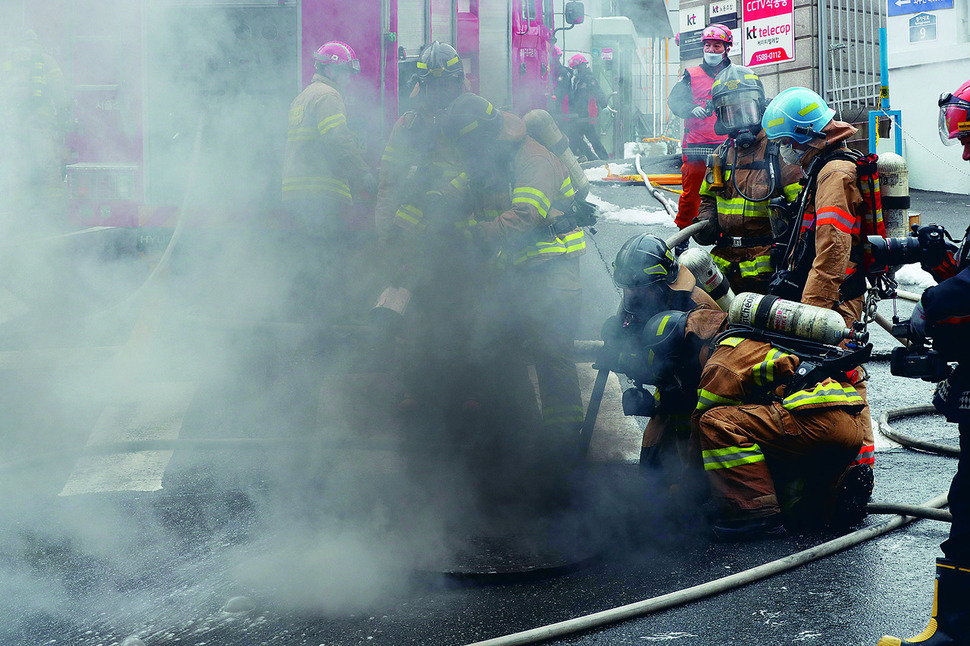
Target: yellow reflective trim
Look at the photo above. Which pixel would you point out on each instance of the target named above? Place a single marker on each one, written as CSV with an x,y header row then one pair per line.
x,y
331,122
731,457
531,191
706,400
831,393
807,109
776,122
471,126
732,341
663,324
410,213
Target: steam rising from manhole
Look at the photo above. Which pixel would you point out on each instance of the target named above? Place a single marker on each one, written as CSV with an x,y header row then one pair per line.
x,y
132,641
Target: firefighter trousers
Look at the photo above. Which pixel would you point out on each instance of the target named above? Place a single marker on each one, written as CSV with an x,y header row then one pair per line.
x,y
747,448
957,546
548,300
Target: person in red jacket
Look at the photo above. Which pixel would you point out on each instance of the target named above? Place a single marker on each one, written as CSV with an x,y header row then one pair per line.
x,y
688,100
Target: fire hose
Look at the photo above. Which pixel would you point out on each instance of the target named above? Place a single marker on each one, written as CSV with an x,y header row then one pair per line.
x,y
668,206
904,514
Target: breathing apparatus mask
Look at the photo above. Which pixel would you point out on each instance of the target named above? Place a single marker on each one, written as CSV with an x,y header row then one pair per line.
x,y
739,116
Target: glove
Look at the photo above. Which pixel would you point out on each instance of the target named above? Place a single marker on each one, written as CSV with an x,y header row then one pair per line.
x,y
699,112
707,235
917,324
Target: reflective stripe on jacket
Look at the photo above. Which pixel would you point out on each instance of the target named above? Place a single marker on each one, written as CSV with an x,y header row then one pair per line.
x,y
746,371
743,218
321,156
834,213
522,219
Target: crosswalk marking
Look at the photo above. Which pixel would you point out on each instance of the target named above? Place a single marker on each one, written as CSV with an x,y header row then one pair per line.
x,y
152,411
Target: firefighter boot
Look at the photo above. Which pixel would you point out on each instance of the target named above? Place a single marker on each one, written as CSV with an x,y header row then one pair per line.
x,y
950,622
852,496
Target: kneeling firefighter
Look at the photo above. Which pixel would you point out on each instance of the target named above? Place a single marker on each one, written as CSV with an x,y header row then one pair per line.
x,y
776,442
527,221
651,281
744,175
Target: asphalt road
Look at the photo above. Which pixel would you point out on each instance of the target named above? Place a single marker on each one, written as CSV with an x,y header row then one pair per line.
x,y
175,471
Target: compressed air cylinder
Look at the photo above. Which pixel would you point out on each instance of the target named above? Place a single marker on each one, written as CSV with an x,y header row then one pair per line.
x,y
542,127
708,276
788,317
894,187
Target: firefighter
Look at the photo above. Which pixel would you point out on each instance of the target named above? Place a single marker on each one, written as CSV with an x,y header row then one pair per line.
x,y
751,416
33,112
414,159
420,186
942,315
523,223
735,194
323,173
651,281
824,266
585,98
688,100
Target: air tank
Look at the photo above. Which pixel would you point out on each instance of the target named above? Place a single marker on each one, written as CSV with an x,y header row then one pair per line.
x,y
708,276
788,317
894,188
542,127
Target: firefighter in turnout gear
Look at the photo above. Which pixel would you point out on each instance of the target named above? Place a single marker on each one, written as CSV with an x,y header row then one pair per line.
x,y
740,182
523,223
775,450
824,265
323,174
942,315
322,163
688,100
414,159
651,281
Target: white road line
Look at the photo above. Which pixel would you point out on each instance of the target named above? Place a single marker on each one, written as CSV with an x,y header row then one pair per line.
x,y
152,411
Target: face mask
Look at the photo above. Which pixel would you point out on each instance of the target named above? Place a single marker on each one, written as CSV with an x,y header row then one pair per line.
x,y
789,155
713,59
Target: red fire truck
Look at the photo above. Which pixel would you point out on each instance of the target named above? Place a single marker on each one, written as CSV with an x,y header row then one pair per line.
x,y
184,102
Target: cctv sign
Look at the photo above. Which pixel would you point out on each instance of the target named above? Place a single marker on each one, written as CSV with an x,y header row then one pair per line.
x,y
769,31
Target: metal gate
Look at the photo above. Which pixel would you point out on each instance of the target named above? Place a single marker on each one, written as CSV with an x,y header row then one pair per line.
x,y
848,32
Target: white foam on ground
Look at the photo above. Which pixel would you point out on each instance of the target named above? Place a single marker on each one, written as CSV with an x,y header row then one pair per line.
x,y
640,216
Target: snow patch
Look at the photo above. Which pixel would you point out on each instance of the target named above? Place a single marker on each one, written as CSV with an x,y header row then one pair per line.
x,y
914,276
640,216
599,173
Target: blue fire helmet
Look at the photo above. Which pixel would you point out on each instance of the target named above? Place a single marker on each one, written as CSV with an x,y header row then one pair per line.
x,y
797,113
